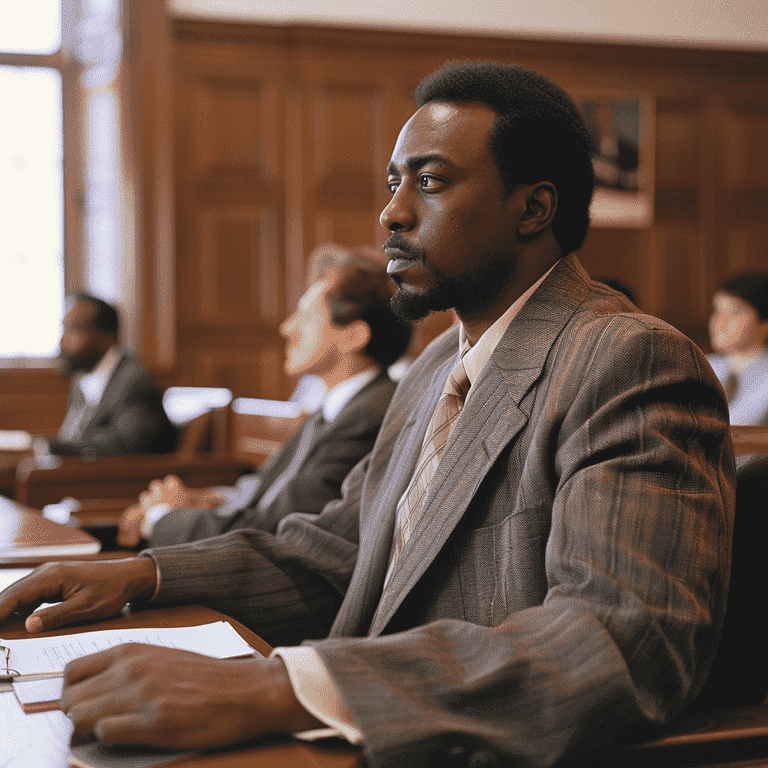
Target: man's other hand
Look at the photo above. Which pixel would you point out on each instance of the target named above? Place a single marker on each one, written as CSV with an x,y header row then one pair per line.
x,y
129,526
163,697
172,491
86,591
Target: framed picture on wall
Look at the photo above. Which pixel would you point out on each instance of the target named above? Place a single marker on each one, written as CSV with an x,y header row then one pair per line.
x,y
622,129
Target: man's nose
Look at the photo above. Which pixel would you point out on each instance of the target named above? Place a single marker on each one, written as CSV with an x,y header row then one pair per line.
x,y
399,212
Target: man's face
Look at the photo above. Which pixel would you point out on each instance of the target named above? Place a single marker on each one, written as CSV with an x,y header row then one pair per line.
x,y
454,230
735,325
313,340
82,344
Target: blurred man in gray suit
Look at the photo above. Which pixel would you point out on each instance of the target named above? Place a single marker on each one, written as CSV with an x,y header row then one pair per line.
x,y
533,561
344,332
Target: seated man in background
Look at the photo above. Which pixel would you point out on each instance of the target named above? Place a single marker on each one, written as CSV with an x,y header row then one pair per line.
x,y
738,333
114,407
343,332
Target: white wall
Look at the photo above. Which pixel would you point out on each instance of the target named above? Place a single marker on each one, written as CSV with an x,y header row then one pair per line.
x,y
694,23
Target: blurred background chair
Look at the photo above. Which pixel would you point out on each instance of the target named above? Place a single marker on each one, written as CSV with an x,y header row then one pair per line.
x,y
261,427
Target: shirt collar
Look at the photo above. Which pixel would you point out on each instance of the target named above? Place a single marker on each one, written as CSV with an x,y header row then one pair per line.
x,y
339,395
93,384
475,357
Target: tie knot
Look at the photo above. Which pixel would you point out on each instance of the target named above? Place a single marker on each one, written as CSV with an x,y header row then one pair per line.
x,y
458,381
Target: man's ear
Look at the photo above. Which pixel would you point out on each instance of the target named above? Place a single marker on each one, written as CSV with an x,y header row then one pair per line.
x,y
355,336
763,330
541,204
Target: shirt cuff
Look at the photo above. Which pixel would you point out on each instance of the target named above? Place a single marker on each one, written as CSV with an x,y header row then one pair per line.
x,y
316,692
157,574
151,516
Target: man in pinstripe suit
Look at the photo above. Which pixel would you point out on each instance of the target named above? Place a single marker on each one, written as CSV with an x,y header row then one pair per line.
x,y
563,581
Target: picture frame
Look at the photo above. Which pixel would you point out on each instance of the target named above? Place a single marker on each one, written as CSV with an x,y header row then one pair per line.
x,y
622,127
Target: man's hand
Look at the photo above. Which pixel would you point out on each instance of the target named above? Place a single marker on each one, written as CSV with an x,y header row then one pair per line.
x,y
87,591
129,526
163,697
170,490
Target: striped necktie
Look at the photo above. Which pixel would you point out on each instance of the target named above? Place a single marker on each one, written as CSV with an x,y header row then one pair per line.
x,y
439,430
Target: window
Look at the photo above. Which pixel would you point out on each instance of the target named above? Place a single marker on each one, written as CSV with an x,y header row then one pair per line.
x,y
61,191
31,178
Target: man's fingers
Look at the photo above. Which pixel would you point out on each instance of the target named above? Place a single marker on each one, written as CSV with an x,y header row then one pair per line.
x,y
128,728
31,590
83,668
129,526
54,617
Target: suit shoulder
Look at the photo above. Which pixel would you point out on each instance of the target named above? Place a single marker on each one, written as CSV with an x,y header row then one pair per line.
x,y
369,405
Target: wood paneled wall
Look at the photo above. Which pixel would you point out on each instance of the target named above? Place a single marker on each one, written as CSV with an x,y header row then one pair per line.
x,y
283,135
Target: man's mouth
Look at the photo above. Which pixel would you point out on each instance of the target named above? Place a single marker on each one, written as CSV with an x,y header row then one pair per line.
x,y
401,256
398,264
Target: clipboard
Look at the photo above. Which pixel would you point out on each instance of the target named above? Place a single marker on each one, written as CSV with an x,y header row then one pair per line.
x,y
10,677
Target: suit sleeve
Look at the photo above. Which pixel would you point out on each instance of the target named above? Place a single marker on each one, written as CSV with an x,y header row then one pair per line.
x,y
285,589
637,562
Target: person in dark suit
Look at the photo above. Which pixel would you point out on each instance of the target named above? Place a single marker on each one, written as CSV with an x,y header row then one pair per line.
x,y
343,332
114,407
532,563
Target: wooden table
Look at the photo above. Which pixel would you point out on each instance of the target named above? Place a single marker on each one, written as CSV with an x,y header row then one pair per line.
x,y
42,740
27,537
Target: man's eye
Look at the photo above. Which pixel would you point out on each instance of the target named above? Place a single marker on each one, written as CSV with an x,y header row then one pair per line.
x,y
392,186
429,182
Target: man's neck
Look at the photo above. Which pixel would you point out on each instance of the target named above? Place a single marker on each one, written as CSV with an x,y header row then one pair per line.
x,y
530,270
347,367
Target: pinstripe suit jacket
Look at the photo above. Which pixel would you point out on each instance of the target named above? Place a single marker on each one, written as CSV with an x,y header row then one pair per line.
x,y
566,583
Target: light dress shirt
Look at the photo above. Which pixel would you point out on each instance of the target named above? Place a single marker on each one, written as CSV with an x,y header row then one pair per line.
x,y
745,380
92,386
312,685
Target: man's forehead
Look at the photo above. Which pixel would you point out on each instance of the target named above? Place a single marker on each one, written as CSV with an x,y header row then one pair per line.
x,y
311,295
440,126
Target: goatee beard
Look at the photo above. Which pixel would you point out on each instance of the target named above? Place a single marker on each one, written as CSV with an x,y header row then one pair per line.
x,y
69,365
411,307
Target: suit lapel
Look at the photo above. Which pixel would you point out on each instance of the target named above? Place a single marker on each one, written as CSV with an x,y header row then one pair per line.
x,y
490,420
113,391
405,425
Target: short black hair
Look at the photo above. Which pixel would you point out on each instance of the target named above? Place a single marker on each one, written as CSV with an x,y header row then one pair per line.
x,y
361,291
105,316
752,287
539,134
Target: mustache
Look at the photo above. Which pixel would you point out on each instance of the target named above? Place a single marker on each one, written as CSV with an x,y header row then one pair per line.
x,y
399,243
